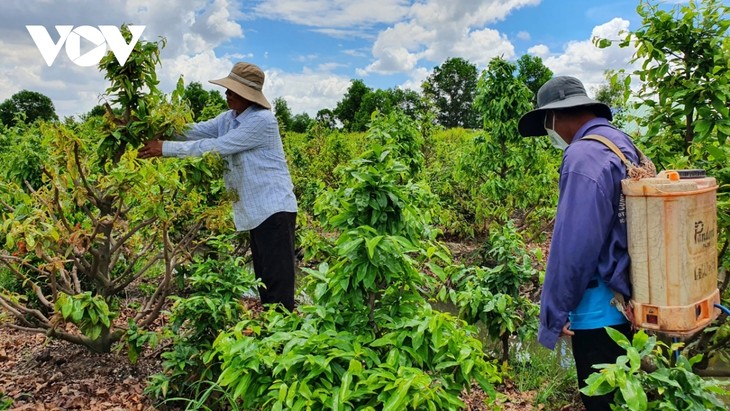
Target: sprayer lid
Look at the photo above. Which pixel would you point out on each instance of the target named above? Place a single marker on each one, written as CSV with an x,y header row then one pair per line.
x,y
689,174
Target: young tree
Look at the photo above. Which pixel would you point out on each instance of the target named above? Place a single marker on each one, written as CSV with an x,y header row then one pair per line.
x,y
507,175
301,122
282,113
32,104
103,222
451,87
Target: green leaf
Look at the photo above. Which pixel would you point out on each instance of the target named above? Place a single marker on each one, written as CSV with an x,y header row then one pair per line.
x,y
634,395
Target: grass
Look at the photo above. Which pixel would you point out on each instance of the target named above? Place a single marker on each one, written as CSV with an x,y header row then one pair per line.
x,y
551,374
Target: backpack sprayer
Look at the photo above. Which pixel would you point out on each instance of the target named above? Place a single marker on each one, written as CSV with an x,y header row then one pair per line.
x,y
672,239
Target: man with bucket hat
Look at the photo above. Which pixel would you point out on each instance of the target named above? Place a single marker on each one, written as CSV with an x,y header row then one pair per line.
x,y
587,272
247,137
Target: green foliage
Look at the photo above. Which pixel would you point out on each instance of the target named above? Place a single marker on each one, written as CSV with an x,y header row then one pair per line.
x,y
145,112
615,94
454,212
683,107
347,108
549,373
451,87
313,158
215,285
532,72
300,123
90,313
671,386
5,402
493,295
22,154
202,102
100,223
507,176
369,339
283,114
26,106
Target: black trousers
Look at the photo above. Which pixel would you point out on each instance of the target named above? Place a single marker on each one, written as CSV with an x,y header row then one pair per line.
x,y
274,259
596,347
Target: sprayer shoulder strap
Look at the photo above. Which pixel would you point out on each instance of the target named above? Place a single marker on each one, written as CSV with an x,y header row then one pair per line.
x,y
608,143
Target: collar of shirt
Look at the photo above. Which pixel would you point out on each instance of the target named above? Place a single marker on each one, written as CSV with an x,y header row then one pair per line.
x,y
598,121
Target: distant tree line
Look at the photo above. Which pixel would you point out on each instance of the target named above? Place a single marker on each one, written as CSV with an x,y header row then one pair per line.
x,y
446,98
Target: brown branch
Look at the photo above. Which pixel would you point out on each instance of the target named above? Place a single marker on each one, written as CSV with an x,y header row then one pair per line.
x,y
157,301
7,206
130,233
20,312
89,189
127,278
4,258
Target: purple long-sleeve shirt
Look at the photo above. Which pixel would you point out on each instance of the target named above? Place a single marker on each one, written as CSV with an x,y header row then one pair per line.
x,y
589,238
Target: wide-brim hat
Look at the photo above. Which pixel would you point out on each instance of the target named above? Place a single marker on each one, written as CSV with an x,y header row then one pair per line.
x,y
559,93
246,80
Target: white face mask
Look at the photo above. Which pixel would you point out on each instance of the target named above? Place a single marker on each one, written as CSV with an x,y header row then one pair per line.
x,y
555,138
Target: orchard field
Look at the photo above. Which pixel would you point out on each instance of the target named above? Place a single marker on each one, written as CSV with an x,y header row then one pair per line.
x,y
423,230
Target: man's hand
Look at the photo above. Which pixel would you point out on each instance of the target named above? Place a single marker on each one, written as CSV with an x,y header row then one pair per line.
x,y
152,148
567,331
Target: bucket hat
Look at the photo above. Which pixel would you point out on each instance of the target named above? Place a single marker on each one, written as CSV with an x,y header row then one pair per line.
x,y
558,93
246,80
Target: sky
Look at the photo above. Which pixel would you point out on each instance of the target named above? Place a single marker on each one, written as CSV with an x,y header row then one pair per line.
x,y
311,50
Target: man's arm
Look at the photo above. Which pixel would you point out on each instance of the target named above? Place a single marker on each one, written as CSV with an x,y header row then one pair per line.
x,y
248,135
582,224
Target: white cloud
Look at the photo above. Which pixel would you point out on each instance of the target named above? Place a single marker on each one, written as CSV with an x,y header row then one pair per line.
x,y
437,30
523,35
587,62
333,13
306,92
193,28
539,50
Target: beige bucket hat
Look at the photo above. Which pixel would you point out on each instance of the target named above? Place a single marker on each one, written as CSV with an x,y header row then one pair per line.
x,y
246,80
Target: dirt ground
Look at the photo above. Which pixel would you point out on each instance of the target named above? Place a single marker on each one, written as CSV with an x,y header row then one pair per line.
x,y
42,374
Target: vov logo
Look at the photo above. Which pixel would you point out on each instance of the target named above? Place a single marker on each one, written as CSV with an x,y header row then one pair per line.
x,y
101,38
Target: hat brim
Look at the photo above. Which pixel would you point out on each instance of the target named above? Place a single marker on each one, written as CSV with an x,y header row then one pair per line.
x,y
532,123
244,91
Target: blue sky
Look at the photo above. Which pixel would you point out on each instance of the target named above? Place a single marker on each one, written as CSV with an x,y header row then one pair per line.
x,y
312,49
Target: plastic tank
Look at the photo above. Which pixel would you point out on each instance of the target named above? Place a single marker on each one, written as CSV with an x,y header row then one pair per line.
x,y
672,235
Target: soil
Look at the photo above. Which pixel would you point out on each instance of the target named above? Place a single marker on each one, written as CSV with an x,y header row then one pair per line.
x,y
42,374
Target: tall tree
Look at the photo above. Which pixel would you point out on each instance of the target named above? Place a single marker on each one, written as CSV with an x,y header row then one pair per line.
x,y
378,100
408,101
32,104
346,110
282,113
326,117
196,96
451,87
301,122
205,104
532,72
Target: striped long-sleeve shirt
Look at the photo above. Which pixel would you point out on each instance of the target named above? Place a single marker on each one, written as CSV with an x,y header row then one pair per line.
x,y
257,169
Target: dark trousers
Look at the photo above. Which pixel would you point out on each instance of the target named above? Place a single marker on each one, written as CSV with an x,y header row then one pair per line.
x,y
274,259
596,347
